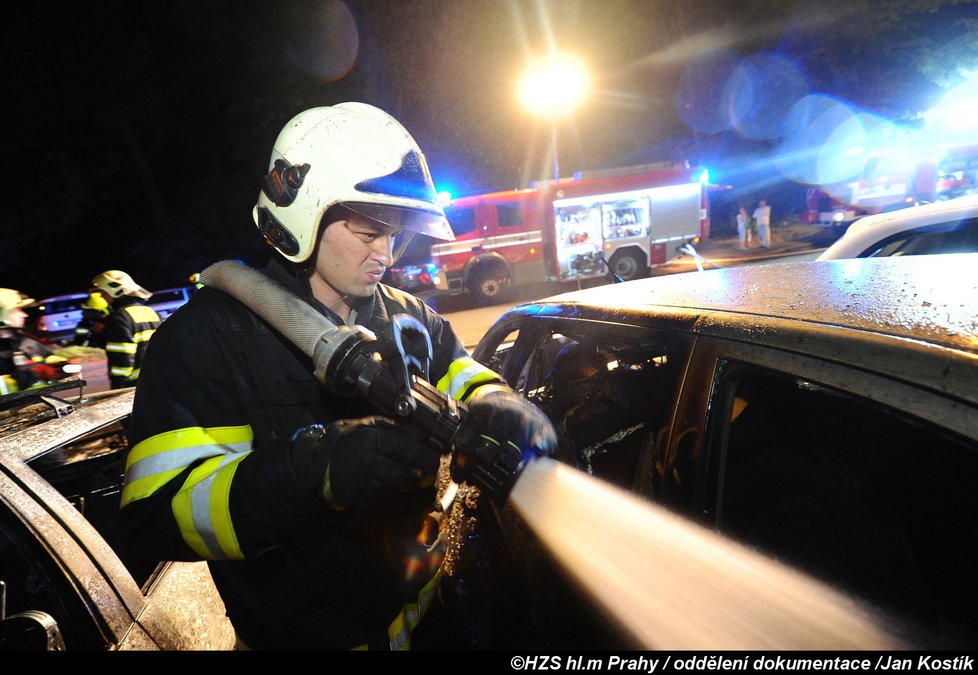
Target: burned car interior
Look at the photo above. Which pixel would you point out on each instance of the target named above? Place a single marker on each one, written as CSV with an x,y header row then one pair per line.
x,y
601,396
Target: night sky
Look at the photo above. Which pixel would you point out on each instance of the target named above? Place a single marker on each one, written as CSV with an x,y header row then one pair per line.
x,y
136,132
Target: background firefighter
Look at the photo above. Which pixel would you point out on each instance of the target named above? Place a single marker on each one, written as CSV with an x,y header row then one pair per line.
x,y
90,331
16,349
127,328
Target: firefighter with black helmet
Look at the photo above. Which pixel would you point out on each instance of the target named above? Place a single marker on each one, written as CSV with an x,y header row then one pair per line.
x,y
309,508
127,328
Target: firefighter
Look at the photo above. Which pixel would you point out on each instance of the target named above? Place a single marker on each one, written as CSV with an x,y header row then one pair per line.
x,y
15,365
128,327
90,331
309,509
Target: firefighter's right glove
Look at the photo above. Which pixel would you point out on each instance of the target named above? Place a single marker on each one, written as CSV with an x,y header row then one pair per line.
x,y
500,433
367,463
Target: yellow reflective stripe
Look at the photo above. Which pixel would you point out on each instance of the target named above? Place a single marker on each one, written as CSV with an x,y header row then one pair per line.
x,y
462,375
120,371
142,314
456,367
189,437
8,385
140,488
220,510
202,511
121,347
485,376
144,335
154,461
134,375
399,631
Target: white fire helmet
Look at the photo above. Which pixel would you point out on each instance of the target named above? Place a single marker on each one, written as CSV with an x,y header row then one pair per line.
x,y
115,284
351,154
9,301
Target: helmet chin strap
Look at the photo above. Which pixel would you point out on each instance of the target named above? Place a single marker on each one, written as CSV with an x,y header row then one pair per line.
x,y
301,273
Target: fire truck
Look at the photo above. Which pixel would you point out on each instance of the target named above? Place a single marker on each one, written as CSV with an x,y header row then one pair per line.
x,y
944,173
623,220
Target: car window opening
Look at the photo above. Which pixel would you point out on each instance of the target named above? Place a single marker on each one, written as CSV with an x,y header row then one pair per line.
x,y
601,396
876,501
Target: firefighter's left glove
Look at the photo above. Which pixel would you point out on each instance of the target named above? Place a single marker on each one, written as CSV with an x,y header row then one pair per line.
x,y
500,433
366,464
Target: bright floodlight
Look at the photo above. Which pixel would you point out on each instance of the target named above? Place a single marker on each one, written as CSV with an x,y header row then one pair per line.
x,y
956,110
554,85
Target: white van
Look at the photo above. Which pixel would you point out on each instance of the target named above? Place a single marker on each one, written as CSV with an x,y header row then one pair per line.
x,y
56,317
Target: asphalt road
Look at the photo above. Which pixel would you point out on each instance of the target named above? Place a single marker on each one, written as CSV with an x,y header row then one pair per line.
x,y
471,322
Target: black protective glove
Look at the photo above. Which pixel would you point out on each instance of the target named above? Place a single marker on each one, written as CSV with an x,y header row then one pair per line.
x,y
366,463
500,433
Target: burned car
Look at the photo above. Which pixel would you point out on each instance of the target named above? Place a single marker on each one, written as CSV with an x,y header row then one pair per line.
x,y
63,583
822,413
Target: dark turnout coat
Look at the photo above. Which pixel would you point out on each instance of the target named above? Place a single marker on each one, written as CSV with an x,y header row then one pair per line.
x,y
209,477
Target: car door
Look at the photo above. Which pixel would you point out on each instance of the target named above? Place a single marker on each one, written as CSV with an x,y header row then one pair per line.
x,y
44,568
59,554
857,479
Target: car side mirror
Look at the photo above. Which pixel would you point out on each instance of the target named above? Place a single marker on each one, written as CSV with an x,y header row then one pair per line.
x,y
31,631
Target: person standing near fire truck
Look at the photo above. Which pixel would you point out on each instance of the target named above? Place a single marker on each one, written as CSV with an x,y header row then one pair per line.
x,y
743,227
762,219
308,506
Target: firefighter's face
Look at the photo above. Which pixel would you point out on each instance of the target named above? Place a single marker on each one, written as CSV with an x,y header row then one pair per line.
x,y
352,257
16,318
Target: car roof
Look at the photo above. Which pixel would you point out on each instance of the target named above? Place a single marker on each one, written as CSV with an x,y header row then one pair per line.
x,y
868,230
36,421
911,318
926,298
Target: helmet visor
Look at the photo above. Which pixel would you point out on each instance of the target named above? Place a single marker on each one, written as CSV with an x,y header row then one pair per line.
x,y
433,224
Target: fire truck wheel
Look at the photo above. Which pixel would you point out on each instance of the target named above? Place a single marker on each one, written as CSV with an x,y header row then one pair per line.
x,y
629,265
489,285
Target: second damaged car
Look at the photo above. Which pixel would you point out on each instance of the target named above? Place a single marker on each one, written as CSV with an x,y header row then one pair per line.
x,y
64,583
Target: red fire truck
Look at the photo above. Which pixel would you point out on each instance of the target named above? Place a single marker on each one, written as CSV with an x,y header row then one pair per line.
x,y
627,219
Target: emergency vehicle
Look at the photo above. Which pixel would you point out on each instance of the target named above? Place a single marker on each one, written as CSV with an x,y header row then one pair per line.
x,y
944,173
626,220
